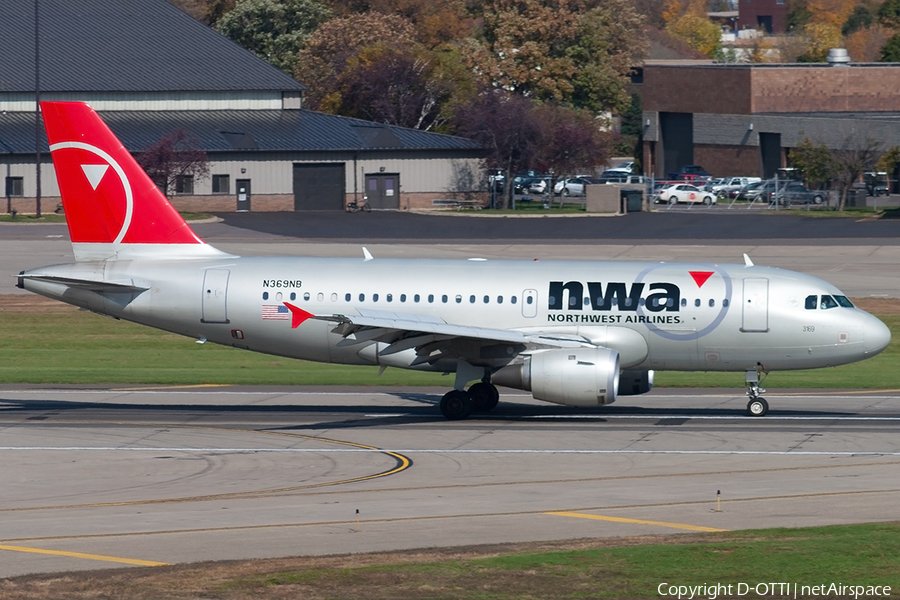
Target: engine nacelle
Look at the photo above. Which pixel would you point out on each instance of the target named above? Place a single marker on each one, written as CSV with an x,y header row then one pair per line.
x,y
574,377
633,383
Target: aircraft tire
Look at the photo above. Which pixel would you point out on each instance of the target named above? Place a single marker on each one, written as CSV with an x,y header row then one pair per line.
x,y
757,407
456,405
485,397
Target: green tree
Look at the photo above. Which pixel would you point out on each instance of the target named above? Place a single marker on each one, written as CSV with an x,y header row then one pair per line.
x,y
890,52
274,30
889,13
861,18
858,154
815,163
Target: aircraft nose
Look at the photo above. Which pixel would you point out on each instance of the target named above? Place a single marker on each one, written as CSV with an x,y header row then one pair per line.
x,y
877,335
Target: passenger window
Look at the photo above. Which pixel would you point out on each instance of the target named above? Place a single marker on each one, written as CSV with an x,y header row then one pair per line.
x,y
293,295
430,298
402,297
599,302
444,298
572,300
347,297
697,302
529,300
389,297
641,302
828,302
587,301
683,302
472,299
552,300
416,298
333,297
670,302
812,302
513,299
362,297
265,295
487,299
499,299
320,297
458,298
712,303
725,302
374,297
306,296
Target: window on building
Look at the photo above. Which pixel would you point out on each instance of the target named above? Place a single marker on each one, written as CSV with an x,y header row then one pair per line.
x,y
221,184
14,186
184,184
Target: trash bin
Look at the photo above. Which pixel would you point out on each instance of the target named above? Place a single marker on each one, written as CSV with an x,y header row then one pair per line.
x,y
632,200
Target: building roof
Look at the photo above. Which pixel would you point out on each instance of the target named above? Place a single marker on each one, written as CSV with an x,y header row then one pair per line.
x,y
124,46
248,130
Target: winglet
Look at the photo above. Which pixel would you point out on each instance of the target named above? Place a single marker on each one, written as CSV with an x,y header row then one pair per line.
x,y
747,261
298,315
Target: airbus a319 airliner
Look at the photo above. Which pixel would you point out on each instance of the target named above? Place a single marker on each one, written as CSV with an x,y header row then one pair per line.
x,y
571,332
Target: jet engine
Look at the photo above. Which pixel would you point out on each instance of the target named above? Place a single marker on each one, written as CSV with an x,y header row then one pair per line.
x,y
574,377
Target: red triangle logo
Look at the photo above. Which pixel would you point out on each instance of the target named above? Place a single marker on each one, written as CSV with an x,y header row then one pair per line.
x,y
700,277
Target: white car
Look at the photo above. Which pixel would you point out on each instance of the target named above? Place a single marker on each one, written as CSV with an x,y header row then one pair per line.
x,y
732,184
572,186
684,193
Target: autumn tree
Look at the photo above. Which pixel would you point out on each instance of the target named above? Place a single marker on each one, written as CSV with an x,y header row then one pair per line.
x,y
556,51
862,17
329,51
694,27
858,154
506,125
570,140
820,38
889,14
274,30
177,154
864,45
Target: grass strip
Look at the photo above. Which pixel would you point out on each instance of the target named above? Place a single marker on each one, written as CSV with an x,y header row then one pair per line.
x,y
844,555
58,344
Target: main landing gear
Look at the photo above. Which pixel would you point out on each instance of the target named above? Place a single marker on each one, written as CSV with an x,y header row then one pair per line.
x,y
480,397
757,407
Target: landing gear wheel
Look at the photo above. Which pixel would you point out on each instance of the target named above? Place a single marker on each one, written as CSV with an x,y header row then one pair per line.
x,y
757,407
484,397
456,405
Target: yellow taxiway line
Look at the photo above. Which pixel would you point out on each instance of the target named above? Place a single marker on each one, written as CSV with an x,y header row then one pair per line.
x,y
101,557
635,521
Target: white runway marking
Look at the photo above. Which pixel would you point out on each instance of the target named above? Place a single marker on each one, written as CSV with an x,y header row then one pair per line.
x,y
646,417
435,451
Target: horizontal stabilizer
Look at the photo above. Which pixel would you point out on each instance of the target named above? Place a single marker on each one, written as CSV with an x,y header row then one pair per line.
x,y
87,284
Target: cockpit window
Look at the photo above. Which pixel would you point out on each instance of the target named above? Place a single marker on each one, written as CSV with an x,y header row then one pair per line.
x,y
812,302
828,302
844,301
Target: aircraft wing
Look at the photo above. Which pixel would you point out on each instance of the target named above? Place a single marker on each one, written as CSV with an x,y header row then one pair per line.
x,y
434,339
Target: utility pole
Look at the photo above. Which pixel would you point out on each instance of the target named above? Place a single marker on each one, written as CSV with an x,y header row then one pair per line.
x,y
37,108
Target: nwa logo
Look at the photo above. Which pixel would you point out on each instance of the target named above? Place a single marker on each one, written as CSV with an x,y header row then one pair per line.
x,y
663,297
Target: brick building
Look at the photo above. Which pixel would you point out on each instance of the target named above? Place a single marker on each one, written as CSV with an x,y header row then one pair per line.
x,y
766,15
743,119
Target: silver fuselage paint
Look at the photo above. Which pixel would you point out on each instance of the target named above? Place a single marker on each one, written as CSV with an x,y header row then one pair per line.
x,y
727,318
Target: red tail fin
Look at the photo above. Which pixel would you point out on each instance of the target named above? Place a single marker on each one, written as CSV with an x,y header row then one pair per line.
x,y
111,204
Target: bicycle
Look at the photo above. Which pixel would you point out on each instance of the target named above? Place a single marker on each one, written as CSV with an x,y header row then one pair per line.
x,y
355,206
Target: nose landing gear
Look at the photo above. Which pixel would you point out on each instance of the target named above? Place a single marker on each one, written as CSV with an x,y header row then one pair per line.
x,y
757,407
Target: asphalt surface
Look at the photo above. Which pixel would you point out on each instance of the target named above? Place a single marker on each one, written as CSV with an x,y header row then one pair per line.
x,y
681,225
96,479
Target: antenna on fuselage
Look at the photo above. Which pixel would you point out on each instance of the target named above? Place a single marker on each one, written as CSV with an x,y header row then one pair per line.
x,y
368,255
747,261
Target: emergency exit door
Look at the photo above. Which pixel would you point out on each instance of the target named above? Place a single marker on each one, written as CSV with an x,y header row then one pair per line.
x,y
756,305
215,296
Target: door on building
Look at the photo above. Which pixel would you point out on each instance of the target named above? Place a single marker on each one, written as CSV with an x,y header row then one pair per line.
x,y
383,190
215,294
677,136
243,194
319,186
770,153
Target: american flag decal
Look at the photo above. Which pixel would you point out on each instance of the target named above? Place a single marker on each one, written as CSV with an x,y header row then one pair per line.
x,y
275,312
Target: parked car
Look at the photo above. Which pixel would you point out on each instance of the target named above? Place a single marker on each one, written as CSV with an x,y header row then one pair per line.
x,y
794,192
522,184
727,185
572,186
684,193
693,178
625,167
539,186
751,191
876,183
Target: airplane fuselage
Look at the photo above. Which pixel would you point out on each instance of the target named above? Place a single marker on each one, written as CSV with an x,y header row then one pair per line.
x,y
660,316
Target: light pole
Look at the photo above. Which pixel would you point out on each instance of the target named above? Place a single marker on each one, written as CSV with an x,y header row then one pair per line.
x,y
37,108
